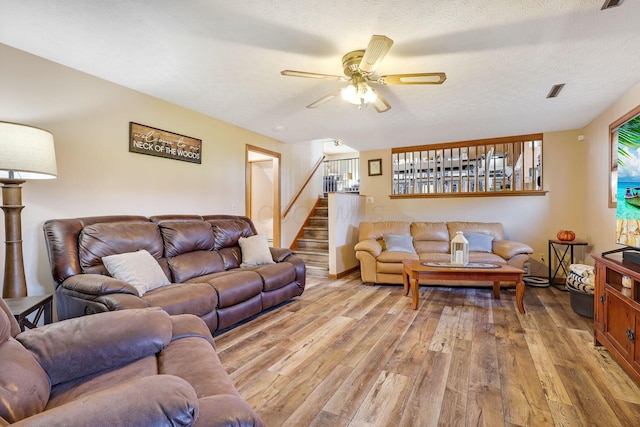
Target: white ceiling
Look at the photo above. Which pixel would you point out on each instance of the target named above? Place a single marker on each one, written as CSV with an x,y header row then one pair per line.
x,y
223,58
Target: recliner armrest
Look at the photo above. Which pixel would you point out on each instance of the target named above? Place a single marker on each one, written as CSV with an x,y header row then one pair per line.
x,y
369,245
148,401
280,254
98,284
190,325
85,345
507,249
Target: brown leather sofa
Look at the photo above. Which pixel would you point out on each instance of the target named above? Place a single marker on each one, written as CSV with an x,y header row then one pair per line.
x,y
430,242
137,367
200,256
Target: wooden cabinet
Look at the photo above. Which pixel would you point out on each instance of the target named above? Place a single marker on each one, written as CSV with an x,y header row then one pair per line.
x,y
617,311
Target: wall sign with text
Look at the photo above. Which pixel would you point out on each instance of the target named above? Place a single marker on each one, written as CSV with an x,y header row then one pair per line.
x,y
156,142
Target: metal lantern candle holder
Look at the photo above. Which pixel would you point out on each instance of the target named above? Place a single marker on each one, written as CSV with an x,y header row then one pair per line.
x,y
459,249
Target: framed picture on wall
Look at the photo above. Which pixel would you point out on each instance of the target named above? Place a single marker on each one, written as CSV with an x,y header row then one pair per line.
x,y
375,167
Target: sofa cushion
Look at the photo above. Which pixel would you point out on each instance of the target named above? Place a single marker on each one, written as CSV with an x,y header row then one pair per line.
x,y
479,242
236,288
485,257
195,264
227,231
276,276
186,236
139,269
103,239
255,250
69,350
396,257
184,298
24,386
375,230
432,246
398,243
494,229
432,231
435,256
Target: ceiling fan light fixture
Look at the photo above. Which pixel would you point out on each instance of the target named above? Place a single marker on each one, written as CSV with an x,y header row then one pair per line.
x,y
358,94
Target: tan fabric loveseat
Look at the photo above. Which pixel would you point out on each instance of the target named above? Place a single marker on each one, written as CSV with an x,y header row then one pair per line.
x,y
431,242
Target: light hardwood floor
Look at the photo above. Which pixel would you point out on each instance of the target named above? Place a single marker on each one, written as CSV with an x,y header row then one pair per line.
x,y
348,354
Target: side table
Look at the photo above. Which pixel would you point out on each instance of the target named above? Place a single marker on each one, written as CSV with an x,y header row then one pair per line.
x,y
22,307
560,249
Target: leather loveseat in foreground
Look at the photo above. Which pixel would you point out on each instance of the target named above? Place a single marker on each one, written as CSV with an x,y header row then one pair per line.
x,y
200,262
137,367
430,242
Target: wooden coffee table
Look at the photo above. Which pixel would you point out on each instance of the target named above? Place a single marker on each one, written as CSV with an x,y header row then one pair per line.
x,y
414,271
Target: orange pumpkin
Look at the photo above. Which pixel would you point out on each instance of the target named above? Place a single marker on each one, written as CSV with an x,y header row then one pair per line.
x,y
566,235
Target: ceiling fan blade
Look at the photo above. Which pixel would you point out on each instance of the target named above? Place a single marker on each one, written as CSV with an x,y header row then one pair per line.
x,y
413,79
293,73
380,104
375,53
324,99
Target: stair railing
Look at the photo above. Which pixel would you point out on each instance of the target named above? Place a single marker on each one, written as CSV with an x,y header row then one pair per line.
x,y
299,192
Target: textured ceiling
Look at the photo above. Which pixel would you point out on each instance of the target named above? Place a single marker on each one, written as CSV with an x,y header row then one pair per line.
x,y
223,58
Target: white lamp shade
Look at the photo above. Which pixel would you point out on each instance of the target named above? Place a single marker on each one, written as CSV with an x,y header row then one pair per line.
x,y
26,152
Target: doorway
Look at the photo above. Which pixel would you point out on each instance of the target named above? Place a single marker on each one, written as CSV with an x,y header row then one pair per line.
x,y
263,192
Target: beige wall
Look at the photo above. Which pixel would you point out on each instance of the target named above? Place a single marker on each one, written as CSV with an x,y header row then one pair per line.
x,y
89,119
346,211
262,196
530,219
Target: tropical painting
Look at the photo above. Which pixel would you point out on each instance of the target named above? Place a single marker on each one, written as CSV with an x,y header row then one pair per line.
x,y
628,197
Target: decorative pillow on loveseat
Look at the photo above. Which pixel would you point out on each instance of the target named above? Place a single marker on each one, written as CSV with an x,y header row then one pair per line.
x,y
399,243
479,242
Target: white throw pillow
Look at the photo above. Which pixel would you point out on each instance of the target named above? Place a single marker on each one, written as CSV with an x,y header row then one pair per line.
x,y
140,269
255,250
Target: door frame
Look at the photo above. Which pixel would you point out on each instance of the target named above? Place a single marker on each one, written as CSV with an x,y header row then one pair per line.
x,y
276,159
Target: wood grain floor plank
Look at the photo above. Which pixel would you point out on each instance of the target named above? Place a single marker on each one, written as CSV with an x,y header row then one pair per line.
x,y
454,403
411,350
425,401
356,386
383,405
524,398
307,413
545,369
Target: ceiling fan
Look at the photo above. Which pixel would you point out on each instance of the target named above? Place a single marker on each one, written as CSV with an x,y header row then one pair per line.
x,y
359,66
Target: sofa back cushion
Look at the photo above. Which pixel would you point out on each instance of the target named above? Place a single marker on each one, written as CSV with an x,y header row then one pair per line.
x,y
195,264
181,237
376,230
104,239
228,231
430,237
493,229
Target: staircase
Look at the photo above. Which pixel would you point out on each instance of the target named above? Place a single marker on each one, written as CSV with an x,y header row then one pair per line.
x,y
312,245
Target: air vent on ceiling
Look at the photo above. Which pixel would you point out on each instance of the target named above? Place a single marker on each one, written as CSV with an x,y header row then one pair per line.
x,y
608,4
555,90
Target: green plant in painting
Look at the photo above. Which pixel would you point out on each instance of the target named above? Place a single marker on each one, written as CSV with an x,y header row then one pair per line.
x,y
628,138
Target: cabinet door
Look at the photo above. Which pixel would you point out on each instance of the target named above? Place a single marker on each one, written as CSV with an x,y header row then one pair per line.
x,y
620,319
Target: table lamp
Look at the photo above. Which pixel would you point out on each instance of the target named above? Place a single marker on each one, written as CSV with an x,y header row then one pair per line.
x,y
25,153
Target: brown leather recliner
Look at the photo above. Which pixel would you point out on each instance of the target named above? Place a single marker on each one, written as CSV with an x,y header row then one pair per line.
x,y
138,367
